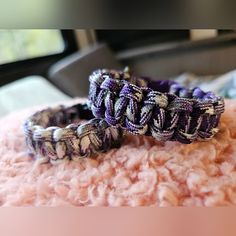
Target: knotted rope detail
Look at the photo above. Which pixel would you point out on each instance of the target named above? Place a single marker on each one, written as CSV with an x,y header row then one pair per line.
x,y
55,134
163,108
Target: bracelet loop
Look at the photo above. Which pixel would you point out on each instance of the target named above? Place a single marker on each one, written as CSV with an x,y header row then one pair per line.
x,y
51,137
164,109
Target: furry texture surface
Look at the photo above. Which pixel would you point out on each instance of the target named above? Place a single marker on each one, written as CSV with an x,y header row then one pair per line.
x,y
142,172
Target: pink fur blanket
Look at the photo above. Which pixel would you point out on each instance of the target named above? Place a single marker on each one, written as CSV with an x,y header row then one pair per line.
x,y
142,172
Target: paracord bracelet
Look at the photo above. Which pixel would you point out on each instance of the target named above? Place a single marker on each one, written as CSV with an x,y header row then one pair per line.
x,y
48,141
164,109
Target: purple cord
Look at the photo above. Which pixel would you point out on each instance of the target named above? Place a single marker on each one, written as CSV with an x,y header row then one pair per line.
x,y
163,108
56,134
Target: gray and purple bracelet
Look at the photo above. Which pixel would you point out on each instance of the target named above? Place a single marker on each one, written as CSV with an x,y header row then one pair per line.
x,y
163,109
55,134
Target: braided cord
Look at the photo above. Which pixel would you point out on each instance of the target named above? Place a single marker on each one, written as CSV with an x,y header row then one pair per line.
x,y
50,138
164,109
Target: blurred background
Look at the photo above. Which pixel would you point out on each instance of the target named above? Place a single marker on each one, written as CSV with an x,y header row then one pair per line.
x,y
39,67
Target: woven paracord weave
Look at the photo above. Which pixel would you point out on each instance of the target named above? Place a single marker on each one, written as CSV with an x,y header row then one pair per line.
x,y
164,109
49,141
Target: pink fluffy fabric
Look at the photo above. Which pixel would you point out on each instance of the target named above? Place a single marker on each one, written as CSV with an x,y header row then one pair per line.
x,y
143,172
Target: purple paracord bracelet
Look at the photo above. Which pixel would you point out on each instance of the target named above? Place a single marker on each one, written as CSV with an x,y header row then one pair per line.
x,y
55,134
164,109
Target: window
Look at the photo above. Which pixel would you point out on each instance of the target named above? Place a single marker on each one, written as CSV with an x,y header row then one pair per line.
x,y
18,45
32,52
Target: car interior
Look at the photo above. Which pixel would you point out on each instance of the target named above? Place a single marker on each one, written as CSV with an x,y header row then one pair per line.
x,y
48,66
